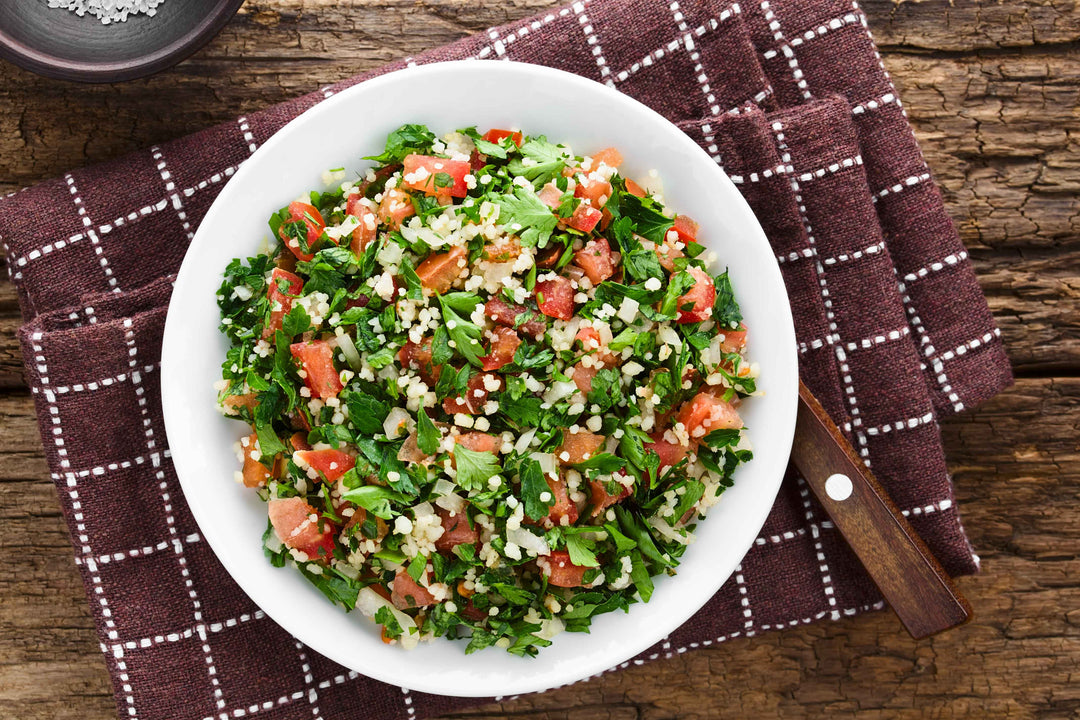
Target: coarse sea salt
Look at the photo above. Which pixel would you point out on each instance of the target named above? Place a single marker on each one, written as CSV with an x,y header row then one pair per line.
x,y
108,11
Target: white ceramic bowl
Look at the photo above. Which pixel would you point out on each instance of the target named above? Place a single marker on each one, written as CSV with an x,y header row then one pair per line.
x,y
338,132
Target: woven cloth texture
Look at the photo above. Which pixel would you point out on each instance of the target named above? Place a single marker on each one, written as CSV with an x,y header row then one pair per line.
x,y
789,96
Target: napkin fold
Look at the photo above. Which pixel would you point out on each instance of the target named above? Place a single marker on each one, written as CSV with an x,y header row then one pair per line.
x,y
789,96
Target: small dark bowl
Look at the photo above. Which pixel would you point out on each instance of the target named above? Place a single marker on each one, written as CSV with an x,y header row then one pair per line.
x,y
58,43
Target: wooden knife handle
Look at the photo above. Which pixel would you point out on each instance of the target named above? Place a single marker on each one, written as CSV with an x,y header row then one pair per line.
x,y
907,574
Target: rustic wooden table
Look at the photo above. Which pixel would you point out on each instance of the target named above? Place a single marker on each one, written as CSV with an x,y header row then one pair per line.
x,y
992,88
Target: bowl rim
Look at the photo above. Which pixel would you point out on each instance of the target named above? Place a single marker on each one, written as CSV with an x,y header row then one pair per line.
x,y
51,66
173,395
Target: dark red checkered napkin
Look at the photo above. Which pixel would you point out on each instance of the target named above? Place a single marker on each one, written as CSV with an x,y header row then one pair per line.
x,y
790,96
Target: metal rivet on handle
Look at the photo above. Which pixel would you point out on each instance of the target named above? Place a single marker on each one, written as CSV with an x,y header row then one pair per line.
x,y
838,487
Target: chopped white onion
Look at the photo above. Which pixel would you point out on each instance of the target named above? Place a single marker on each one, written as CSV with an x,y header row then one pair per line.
x,y
526,540
368,602
550,628
669,532
451,502
393,423
546,460
423,510
444,487
523,441
559,390
348,349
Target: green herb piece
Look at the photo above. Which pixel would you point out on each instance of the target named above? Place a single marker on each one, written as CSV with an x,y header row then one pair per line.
x,y
406,140
427,435
474,467
533,485
524,208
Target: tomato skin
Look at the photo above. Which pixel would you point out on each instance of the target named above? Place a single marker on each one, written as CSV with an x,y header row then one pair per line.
x,y
609,156
686,228
668,254
558,298
596,260
427,167
293,286
506,314
233,403
395,207
476,394
456,531
551,196
585,218
670,453
255,473
734,340
596,192
299,441
563,507
294,526
704,413
563,573
363,235
330,463
418,357
309,215
601,500
634,189
479,442
408,593
439,270
503,346
579,447
317,357
702,295
495,136
504,251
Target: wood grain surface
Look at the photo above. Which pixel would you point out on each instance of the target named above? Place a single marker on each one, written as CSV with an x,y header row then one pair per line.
x,y
992,88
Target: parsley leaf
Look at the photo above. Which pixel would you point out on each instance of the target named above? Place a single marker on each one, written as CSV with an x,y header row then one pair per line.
x,y
606,391
465,334
643,264
366,413
533,485
549,159
269,444
427,435
296,322
526,209
385,617
606,463
722,438
649,221
474,468
407,139
373,498
581,551
677,287
726,312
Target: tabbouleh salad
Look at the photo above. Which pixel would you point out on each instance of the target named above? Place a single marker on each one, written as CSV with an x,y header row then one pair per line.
x,y
491,386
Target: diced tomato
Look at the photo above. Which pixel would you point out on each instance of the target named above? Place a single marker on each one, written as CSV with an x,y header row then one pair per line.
x,y
551,196
596,192
358,517
317,357
634,189
563,573
299,441
395,207
563,507
410,452
503,251
590,341
476,394
596,260
439,271
702,295
503,346
255,473
734,340
495,136
583,377
548,258
408,593
418,357
456,531
579,447
670,453
331,464
280,302
601,499
668,254
585,218
687,229
704,413
369,222
479,442
297,525
422,173
555,298
309,215
506,314
609,156
233,403
476,161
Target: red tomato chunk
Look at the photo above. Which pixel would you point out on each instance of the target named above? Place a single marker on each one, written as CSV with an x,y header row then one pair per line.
x,y
495,136
476,394
503,346
702,295
456,531
585,218
331,464
506,314
408,593
563,573
363,235
439,271
395,207
418,357
555,298
297,525
705,413
309,215
280,302
435,176
596,260
317,358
